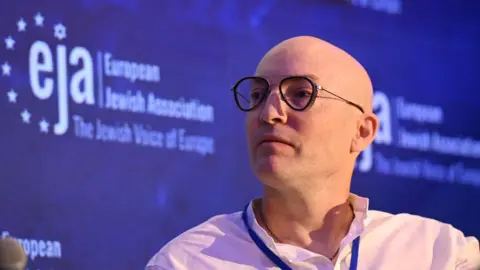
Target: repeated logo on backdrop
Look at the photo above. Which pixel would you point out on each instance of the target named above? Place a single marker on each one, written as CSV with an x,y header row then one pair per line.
x,y
420,139
75,75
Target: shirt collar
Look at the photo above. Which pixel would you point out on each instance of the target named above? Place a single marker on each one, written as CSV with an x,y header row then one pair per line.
x,y
361,220
360,208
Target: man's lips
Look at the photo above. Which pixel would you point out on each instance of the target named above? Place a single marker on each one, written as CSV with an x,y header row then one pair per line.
x,y
269,138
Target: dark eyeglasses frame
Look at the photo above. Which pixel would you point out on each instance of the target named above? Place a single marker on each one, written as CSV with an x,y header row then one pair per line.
x,y
316,88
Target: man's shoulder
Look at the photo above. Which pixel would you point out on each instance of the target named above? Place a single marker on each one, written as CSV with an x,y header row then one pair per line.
x,y
378,218
423,235
208,231
406,224
216,232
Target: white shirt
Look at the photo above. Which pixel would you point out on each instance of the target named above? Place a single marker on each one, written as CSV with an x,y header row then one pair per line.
x,y
387,242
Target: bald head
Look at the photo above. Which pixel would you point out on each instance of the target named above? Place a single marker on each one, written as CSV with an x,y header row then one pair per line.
x,y
335,69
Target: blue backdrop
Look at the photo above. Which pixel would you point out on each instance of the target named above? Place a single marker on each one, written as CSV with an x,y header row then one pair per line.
x,y
119,130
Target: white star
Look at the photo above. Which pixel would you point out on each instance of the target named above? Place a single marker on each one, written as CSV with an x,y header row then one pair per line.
x,y
39,19
25,116
9,43
43,126
60,31
21,25
12,96
6,68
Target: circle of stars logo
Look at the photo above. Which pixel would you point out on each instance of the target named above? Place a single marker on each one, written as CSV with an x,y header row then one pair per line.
x,y
22,26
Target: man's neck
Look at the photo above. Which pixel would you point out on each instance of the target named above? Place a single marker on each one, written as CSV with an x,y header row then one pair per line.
x,y
316,221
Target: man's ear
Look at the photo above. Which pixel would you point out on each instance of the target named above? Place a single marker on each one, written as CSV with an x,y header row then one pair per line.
x,y
367,128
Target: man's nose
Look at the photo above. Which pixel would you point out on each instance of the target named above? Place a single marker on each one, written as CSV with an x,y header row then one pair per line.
x,y
273,110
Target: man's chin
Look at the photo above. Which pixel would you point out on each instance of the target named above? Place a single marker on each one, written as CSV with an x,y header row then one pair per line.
x,y
270,165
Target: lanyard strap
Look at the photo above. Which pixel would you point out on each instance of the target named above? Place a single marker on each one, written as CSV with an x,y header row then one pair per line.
x,y
276,260
354,258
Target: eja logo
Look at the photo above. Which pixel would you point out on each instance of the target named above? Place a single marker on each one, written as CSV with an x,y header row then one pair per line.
x,y
48,71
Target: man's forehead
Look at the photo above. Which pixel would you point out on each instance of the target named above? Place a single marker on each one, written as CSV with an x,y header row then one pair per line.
x,y
286,62
278,65
274,72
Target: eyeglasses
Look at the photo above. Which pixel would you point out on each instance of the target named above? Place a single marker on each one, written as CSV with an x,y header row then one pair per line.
x,y
298,92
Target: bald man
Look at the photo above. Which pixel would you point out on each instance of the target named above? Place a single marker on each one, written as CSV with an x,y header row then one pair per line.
x,y
308,116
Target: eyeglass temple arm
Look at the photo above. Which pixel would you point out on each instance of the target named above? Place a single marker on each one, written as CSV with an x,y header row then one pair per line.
x,y
346,100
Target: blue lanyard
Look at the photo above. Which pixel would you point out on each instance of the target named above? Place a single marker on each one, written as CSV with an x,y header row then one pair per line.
x,y
276,260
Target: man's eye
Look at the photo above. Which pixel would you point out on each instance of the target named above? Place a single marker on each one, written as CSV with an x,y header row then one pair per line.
x,y
302,93
256,94
299,93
